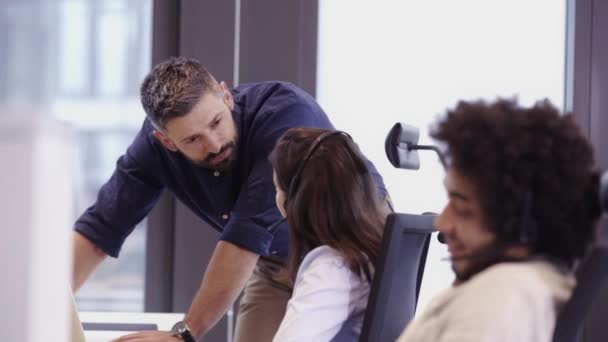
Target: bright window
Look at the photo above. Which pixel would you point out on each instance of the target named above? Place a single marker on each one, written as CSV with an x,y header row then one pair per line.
x,y
386,61
104,53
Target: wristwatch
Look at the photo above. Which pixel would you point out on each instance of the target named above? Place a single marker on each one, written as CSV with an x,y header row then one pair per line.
x,y
181,330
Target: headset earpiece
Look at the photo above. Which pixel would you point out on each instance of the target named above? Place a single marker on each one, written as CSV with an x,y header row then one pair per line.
x,y
528,231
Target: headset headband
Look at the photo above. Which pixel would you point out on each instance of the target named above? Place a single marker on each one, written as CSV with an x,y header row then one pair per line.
x,y
295,180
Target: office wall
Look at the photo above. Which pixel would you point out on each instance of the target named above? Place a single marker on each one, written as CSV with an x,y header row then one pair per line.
x,y
588,71
589,63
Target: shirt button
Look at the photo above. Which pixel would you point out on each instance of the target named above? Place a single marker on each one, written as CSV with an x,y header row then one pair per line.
x,y
216,173
225,217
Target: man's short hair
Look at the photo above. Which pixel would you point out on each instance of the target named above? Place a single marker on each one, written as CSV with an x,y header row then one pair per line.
x,y
173,88
531,167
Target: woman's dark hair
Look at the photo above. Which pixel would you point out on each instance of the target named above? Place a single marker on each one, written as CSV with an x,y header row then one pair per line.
x,y
336,202
533,170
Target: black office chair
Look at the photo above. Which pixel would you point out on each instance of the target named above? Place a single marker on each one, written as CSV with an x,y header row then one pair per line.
x,y
591,278
398,275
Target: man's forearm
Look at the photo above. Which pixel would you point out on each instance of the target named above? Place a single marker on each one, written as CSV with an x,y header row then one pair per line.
x,y
86,258
227,273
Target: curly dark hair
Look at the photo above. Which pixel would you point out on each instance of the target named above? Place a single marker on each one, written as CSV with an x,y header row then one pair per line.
x,y
515,155
173,88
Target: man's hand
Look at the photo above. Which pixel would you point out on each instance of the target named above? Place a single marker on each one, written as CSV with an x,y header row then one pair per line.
x,y
148,336
229,269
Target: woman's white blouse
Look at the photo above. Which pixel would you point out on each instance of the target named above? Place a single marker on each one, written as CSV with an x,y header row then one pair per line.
x,y
328,301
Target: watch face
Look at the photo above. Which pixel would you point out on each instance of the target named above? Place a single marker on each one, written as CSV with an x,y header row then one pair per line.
x,y
181,330
180,327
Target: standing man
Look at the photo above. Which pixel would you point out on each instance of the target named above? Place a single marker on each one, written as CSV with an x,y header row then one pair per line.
x,y
209,146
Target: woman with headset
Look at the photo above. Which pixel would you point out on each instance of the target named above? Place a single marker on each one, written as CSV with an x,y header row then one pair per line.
x,y
336,220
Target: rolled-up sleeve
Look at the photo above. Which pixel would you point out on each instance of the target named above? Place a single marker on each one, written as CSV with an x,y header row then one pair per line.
x,y
255,210
123,201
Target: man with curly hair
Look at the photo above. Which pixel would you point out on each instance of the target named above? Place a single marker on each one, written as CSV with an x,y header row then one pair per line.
x,y
522,208
209,145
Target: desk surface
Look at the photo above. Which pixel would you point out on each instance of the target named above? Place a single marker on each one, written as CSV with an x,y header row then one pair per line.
x,y
164,321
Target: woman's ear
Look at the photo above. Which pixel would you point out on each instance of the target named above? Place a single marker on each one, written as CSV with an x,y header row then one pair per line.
x,y
283,208
280,198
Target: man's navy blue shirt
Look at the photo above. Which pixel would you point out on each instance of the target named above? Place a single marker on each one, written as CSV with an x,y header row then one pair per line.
x,y
239,202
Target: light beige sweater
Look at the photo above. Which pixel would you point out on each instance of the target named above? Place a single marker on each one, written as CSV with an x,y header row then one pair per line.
x,y
507,302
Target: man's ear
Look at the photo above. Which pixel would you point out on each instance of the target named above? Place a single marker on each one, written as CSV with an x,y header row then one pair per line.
x,y
165,141
227,95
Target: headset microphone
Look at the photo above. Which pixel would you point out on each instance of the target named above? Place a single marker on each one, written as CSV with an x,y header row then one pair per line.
x,y
486,252
441,238
481,259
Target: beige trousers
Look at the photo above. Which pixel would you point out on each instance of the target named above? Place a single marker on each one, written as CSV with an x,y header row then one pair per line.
x,y
263,303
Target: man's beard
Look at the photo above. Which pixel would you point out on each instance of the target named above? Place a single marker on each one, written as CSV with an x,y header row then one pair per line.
x,y
222,166
483,258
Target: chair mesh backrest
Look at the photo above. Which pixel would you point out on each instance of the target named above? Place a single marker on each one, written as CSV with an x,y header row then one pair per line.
x,y
398,275
590,275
